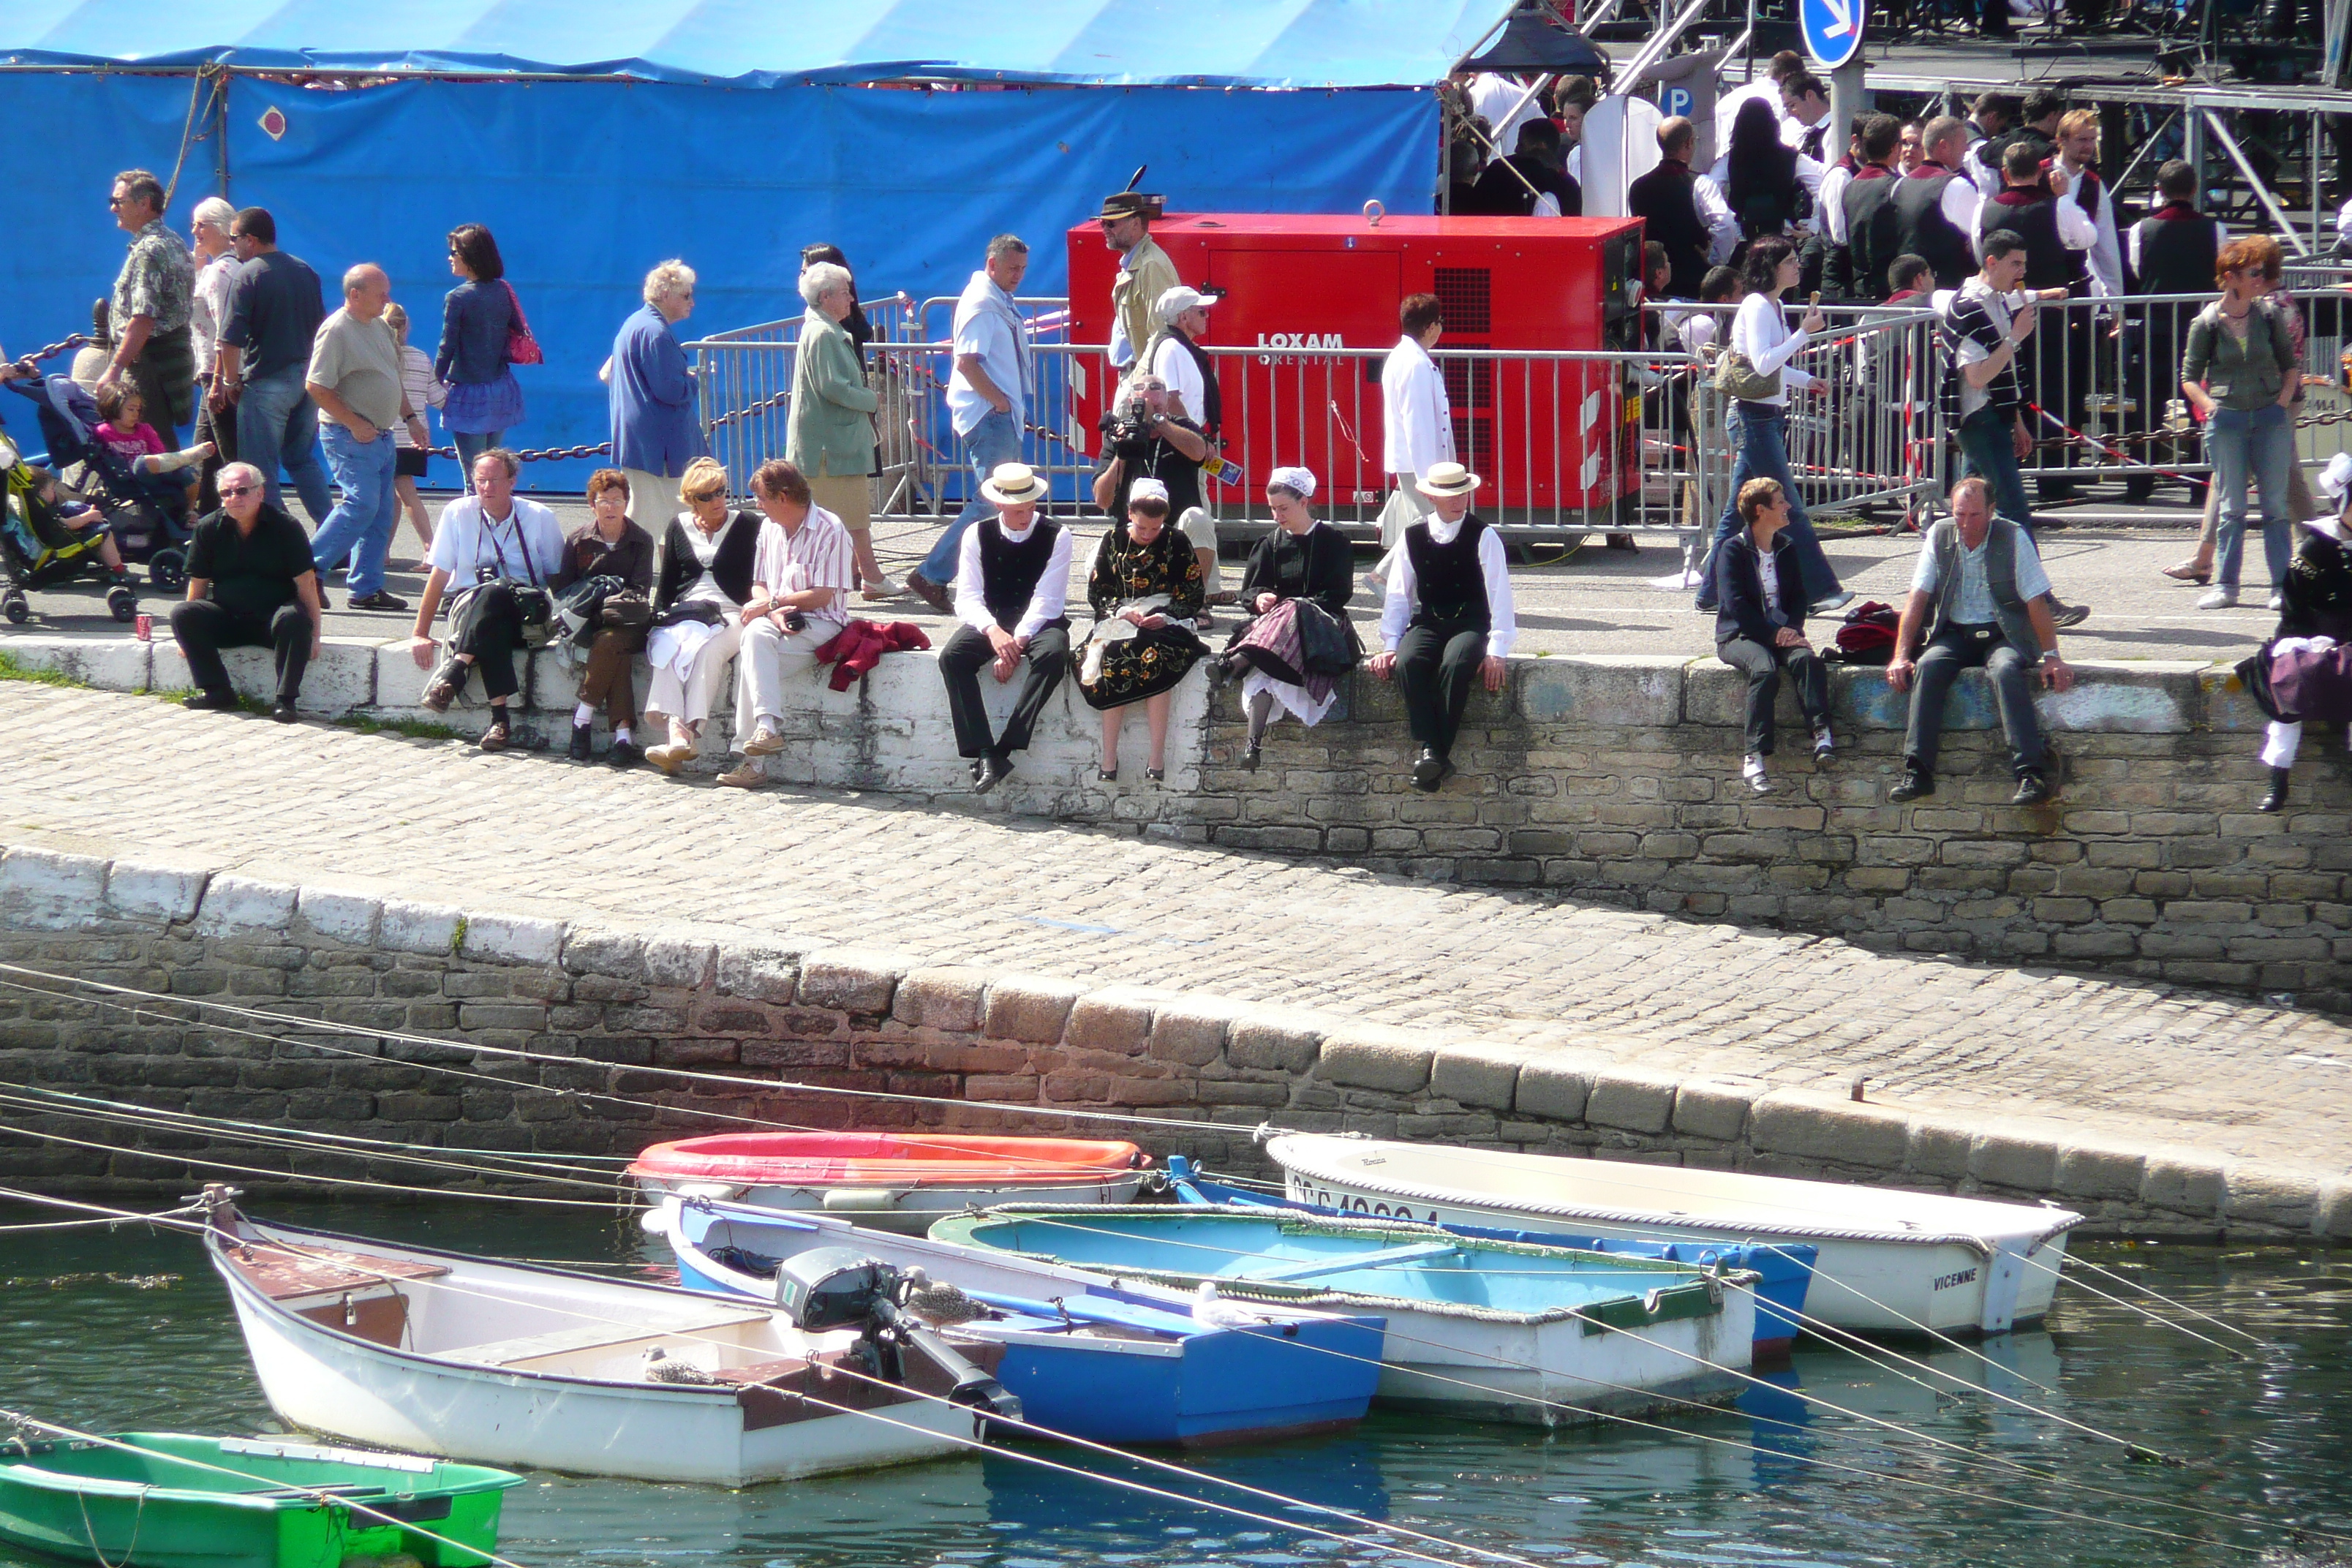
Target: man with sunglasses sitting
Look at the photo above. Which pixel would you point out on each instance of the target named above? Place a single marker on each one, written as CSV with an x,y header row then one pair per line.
x,y
251,584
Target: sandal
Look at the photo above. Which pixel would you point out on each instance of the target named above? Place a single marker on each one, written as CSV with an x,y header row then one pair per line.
x,y
1107,775
2188,571
1157,776
446,682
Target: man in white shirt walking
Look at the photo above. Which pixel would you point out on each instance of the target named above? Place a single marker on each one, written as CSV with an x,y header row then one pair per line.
x,y
1011,589
1416,419
988,395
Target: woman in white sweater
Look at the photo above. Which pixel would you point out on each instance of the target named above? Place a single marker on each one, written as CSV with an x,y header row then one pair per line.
x,y
1755,427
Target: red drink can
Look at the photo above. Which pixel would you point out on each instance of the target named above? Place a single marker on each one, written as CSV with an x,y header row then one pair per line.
x,y
143,626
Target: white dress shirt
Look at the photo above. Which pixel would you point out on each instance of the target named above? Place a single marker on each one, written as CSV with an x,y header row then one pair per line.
x,y
2106,260
1832,201
524,546
1493,98
1722,223
1175,366
1764,90
1416,417
1053,591
1396,610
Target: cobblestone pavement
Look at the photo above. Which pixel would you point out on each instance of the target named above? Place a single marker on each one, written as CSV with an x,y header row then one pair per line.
x,y
2105,1060
1599,601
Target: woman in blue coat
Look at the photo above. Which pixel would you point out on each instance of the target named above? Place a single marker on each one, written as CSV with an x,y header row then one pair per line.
x,y
477,317
655,430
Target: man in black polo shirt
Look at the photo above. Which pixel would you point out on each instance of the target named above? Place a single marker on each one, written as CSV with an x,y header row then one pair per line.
x,y
250,585
1448,618
275,306
1147,436
1011,582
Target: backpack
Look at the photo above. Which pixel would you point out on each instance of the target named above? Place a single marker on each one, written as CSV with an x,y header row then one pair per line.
x,y
1868,635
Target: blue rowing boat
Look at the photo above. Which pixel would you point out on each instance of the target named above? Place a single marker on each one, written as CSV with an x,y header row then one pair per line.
x,y
1783,1273
1488,1330
1090,1357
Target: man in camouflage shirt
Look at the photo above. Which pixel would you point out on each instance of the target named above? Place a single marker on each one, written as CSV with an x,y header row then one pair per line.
x,y
152,296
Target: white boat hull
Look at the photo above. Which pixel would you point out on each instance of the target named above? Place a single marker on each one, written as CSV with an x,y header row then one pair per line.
x,y
908,1210
594,1417
1949,1279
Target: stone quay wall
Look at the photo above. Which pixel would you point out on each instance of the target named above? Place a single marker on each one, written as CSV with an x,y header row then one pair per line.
x,y
1617,779
636,1036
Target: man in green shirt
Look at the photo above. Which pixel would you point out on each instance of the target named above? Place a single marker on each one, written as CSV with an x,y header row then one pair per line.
x,y
354,378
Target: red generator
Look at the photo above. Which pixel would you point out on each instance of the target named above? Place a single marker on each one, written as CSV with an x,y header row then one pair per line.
x,y
1308,311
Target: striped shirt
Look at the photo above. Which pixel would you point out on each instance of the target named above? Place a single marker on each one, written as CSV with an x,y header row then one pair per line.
x,y
817,555
1975,326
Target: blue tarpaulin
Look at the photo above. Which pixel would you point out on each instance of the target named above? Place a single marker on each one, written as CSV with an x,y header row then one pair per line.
x,y
588,183
1266,43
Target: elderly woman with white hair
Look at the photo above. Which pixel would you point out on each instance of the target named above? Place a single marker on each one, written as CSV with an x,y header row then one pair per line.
x,y
1297,642
216,267
703,599
2305,671
831,434
654,431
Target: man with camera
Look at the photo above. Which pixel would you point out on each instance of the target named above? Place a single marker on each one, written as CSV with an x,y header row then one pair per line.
x,y
501,551
1144,437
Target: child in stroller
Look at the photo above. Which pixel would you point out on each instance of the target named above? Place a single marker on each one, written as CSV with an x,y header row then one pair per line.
x,y
139,450
144,529
47,538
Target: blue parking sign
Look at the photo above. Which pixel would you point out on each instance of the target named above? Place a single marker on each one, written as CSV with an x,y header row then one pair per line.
x,y
1676,100
1832,29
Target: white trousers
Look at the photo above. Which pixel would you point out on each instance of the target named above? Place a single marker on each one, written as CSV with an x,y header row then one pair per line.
x,y
771,656
1200,530
653,502
688,698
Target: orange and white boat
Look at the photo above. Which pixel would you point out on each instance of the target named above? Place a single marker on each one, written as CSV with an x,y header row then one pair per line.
x,y
892,1181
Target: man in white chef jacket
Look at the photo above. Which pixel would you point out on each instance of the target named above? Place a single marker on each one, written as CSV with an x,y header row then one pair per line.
x,y
1416,421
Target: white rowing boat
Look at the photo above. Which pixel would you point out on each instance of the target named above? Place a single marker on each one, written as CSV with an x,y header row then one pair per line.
x,y
1890,1262
436,1353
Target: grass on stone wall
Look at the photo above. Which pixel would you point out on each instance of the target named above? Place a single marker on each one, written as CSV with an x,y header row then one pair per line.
x,y
413,729
13,668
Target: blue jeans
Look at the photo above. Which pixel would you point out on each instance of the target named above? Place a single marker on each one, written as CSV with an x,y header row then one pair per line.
x,y
1988,452
2257,446
1763,454
471,446
995,440
361,523
276,422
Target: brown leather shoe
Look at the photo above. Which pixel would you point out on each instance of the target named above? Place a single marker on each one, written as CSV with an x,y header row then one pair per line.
x,y
931,593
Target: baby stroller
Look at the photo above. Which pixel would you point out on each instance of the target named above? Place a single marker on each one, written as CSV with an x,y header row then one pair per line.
x,y
37,550
144,511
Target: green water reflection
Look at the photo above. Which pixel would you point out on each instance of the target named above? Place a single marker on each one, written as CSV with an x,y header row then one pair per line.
x,y
128,1329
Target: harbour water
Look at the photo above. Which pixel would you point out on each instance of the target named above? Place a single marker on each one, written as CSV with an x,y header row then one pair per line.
x,y
127,1330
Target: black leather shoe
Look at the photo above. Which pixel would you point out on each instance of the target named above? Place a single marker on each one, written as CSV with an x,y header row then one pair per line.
x,y
1428,771
2276,799
625,754
1250,758
1916,784
992,770
283,713
210,702
2032,789
379,600
578,752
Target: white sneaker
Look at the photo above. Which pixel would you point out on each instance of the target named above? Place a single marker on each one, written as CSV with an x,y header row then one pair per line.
x,y
1752,770
1824,741
2221,598
2278,603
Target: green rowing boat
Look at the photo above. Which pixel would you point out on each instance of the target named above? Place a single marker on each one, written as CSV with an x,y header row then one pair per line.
x,y
164,1500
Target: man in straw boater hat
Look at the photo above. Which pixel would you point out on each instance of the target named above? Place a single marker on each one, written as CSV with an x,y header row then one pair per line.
x,y
1145,274
1012,579
1448,618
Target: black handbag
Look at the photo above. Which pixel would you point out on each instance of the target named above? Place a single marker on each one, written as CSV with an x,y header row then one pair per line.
x,y
1327,644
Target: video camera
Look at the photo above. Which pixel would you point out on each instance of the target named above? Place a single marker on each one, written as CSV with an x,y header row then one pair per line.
x,y
1131,422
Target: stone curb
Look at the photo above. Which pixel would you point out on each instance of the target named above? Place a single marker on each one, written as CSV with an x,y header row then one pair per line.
x,y
43,889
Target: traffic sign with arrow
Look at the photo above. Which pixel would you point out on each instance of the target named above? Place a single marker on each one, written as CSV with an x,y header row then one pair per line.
x,y
1832,29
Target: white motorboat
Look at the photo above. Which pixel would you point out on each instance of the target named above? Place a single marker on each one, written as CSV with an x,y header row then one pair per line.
x,y
1890,1262
436,1353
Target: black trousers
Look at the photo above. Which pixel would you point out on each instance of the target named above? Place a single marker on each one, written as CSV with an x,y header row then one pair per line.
x,y
967,653
1763,667
489,626
221,431
202,628
1436,662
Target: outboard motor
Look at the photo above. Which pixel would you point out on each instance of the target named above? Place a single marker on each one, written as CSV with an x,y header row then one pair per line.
x,y
841,1287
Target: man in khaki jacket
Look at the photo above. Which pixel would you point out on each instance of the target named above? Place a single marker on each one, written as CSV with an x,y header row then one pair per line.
x,y
1145,273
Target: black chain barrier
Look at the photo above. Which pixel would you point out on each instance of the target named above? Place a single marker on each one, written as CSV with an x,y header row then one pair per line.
x,y
52,350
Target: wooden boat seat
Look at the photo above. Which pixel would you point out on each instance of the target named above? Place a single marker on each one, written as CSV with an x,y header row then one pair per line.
x,y
282,1274
589,1336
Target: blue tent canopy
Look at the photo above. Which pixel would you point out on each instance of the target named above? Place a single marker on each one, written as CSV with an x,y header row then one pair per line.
x,y
761,43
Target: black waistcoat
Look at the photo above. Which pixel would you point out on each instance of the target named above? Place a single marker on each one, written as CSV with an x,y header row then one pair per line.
x,y
1870,229
1009,573
1921,228
2050,262
1450,584
1663,200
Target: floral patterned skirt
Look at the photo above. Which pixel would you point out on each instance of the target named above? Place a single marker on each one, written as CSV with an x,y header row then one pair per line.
x,y
1145,665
